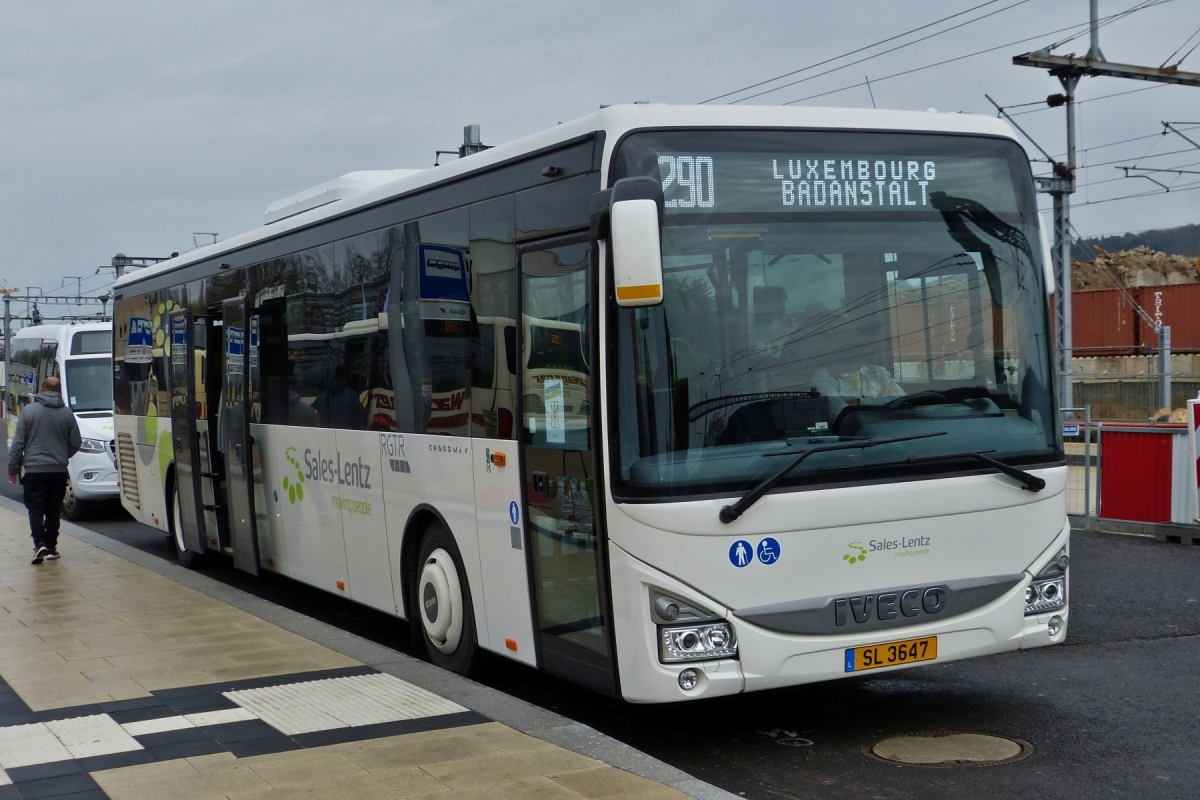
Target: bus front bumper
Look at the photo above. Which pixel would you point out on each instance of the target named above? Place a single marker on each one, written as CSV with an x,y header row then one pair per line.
x,y
769,659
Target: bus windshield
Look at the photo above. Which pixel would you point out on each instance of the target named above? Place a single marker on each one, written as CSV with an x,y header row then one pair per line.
x,y
89,384
823,287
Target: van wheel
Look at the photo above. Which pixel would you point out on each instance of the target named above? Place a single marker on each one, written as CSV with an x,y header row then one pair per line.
x,y
187,559
73,508
442,600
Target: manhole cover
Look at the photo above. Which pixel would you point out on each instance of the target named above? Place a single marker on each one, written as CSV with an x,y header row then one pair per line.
x,y
942,749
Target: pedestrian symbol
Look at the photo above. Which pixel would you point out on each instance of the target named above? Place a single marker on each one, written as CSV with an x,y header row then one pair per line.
x,y
768,551
741,553
514,512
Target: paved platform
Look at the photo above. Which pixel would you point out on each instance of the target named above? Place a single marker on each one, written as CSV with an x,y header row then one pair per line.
x,y
143,680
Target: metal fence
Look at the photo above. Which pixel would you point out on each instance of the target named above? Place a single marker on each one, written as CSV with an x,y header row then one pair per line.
x,y
1083,464
1131,397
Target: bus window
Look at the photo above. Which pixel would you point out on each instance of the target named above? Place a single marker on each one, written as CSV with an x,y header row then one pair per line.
x,y
429,325
48,368
493,270
86,343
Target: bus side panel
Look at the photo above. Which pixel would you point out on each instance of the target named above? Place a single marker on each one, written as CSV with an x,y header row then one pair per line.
x,y
434,471
272,548
155,456
127,459
308,521
361,503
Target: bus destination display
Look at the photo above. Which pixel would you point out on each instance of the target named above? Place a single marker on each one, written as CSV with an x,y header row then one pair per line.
x,y
740,182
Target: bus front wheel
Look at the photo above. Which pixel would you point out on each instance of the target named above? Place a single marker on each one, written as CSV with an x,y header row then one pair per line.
x,y
443,603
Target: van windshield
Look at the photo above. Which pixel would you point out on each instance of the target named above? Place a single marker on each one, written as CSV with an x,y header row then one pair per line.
x,y
89,384
822,287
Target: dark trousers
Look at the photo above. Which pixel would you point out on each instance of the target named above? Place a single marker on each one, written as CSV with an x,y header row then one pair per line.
x,y
44,497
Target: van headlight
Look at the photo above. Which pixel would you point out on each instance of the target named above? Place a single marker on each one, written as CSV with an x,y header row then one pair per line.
x,y
697,642
93,446
1046,595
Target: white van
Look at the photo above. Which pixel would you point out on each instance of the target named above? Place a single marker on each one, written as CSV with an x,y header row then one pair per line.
x,y
80,355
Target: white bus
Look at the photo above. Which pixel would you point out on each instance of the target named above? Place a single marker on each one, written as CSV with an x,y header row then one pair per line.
x,y
780,407
80,355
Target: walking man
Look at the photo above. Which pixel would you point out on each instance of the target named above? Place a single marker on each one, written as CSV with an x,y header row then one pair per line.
x,y
46,438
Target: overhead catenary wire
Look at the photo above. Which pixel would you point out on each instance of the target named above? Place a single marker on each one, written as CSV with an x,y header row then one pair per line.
x,y
1085,26
877,55
847,54
1187,187
1104,21
1088,100
1177,49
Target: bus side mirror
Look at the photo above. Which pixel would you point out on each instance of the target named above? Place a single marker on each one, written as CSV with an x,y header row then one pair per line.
x,y
635,235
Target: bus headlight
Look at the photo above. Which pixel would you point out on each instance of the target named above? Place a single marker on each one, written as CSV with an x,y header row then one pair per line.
x,y
697,642
1046,595
93,446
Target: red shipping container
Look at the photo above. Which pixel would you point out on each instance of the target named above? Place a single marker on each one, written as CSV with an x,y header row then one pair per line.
x,y
1103,323
1177,306
1135,481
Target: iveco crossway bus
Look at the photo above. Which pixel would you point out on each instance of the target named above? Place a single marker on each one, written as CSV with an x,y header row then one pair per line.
x,y
673,402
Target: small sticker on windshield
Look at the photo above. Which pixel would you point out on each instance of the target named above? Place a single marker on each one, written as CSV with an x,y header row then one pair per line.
x,y
73,400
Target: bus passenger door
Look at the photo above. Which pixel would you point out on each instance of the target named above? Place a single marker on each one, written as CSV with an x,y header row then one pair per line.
x,y
498,504
235,436
565,545
188,512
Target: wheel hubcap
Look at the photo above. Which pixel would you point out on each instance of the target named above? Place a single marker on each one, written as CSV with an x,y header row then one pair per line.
x,y
178,525
440,598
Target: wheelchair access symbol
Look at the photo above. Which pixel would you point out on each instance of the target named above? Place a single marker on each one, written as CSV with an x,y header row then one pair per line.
x,y
768,551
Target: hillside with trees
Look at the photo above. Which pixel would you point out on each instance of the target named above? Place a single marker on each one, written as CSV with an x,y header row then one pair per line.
x,y
1181,241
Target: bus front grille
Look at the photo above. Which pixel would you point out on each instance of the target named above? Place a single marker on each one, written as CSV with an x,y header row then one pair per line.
x,y
129,478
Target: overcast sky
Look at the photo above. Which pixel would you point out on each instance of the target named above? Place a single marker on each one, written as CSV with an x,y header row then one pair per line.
x,y
126,127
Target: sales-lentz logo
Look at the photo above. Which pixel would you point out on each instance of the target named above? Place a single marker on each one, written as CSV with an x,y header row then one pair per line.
x,y
901,547
354,474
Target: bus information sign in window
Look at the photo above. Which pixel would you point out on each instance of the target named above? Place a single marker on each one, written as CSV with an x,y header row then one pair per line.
x,y
817,182
443,283
139,348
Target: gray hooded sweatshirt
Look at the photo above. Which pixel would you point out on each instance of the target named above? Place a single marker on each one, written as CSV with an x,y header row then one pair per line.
x,y
46,438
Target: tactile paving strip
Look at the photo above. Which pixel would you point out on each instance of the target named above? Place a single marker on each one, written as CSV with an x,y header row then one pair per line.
x,y
245,718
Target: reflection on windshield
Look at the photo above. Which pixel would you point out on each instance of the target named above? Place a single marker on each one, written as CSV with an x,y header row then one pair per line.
x,y
786,331
89,384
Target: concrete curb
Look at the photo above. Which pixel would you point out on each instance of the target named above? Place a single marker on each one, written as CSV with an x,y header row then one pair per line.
x,y
511,711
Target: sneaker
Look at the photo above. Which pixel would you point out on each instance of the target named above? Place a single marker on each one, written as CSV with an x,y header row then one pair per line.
x,y
40,554
53,555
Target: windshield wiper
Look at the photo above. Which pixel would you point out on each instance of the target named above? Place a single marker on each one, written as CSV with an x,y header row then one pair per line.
x,y
731,512
1027,480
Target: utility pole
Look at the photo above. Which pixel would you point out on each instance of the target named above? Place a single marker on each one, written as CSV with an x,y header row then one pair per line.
x,y
1069,69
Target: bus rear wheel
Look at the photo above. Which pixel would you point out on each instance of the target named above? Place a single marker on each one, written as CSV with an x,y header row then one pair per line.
x,y
442,601
187,559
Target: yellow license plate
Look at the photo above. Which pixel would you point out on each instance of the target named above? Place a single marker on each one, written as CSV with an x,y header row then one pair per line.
x,y
891,654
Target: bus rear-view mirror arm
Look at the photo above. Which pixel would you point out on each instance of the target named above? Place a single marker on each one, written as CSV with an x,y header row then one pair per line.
x,y
630,217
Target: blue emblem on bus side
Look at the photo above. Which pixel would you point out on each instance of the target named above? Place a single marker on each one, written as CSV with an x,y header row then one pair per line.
x,y
514,512
768,551
741,553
